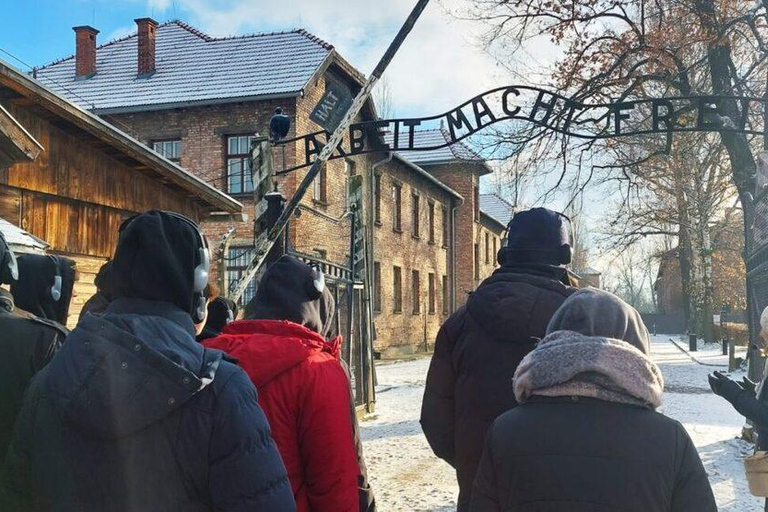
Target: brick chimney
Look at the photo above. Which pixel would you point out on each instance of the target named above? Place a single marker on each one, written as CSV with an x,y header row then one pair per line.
x,y
147,30
85,51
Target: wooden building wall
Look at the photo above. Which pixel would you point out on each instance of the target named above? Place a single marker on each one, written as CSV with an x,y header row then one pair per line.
x,y
77,193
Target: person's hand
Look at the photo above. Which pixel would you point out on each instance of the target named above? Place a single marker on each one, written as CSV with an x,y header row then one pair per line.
x,y
723,386
748,385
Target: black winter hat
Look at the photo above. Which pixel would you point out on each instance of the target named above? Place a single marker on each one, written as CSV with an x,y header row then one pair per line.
x,y
537,235
155,259
103,280
33,290
290,290
221,311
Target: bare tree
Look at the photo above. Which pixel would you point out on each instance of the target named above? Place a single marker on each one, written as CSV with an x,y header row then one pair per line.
x,y
622,50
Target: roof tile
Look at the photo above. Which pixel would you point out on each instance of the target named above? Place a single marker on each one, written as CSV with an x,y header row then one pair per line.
x,y
191,67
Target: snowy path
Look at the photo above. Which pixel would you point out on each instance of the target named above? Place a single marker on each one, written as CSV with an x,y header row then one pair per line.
x,y
406,476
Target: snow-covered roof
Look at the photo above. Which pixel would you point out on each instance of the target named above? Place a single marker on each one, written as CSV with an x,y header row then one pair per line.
x,y
191,67
453,153
496,208
20,240
587,271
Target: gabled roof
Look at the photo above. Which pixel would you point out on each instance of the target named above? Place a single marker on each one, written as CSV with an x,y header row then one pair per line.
x,y
138,154
496,208
192,67
459,152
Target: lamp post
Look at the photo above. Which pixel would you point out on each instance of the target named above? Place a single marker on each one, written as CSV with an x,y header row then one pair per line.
x,y
724,328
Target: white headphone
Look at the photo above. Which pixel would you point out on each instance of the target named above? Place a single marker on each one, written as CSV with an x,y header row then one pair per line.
x,y
57,281
201,270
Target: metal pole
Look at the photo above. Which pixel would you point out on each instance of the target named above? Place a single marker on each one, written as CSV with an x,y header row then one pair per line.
x,y
265,243
351,288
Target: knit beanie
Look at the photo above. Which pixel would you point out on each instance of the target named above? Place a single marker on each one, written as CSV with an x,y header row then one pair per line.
x,y
289,290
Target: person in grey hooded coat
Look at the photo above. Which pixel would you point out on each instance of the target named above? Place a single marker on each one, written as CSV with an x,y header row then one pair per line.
x,y
586,435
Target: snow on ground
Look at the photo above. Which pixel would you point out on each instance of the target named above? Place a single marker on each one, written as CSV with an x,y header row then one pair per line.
x,y
406,476
404,473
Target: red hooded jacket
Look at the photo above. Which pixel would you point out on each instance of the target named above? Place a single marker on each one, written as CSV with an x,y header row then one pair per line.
x,y
305,394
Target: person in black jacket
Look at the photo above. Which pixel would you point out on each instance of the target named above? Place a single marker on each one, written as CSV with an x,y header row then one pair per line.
x,y
749,398
221,311
133,414
28,343
586,435
481,344
45,286
103,296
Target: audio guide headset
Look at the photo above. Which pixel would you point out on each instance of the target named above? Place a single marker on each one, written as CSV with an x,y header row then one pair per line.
x,y
55,290
200,279
563,254
566,250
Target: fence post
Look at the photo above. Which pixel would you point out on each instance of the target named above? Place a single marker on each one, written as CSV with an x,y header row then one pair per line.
x,y
692,342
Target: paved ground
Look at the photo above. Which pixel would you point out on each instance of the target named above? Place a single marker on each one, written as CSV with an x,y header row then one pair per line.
x,y
407,477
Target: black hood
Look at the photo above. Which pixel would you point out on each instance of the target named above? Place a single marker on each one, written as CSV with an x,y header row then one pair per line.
x,y
221,311
289,290
155,260
32,292
507,304
103,281
124,370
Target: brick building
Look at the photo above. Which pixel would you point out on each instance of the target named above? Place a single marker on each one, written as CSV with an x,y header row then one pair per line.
x,y
198,100
460,168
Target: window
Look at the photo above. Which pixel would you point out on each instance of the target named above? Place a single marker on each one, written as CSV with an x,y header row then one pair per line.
x,y
487,248
415,214
376,286
397,207
170,149
431,292
237,260
350,168
239,164
320,187
397,288
431,222
377,198
476,199
415,292
495,248
445,226
446,299
477,262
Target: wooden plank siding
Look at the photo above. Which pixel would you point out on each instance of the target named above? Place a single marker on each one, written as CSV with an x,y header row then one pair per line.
x,y
73,167
87,268
76,194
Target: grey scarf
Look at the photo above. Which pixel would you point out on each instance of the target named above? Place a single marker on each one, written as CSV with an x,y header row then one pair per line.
x,y
567,363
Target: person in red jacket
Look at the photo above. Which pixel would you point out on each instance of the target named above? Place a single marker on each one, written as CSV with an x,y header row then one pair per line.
x,y
302,387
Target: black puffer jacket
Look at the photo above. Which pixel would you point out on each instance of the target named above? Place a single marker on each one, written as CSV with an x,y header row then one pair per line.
x,y
27,344
580,454
476,353
134,415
